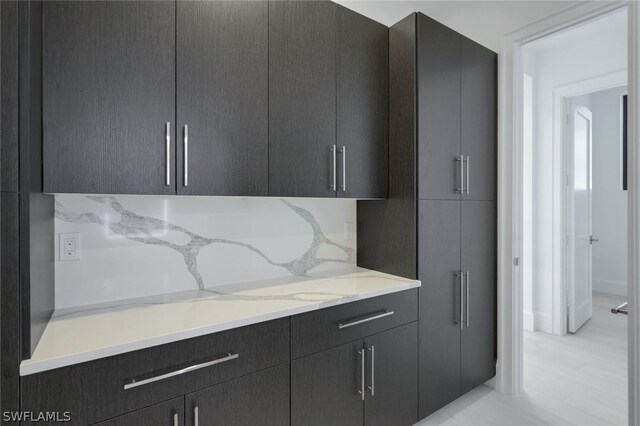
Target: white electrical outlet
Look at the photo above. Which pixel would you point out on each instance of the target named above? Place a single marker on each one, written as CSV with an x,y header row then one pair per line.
x,y
70,246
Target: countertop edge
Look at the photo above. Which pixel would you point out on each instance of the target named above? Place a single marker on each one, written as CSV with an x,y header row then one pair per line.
x,y
28,368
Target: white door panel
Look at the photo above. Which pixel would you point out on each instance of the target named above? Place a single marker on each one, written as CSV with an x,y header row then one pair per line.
x,y
579,226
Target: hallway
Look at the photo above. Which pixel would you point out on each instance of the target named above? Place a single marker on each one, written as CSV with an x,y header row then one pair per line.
x,y
578,379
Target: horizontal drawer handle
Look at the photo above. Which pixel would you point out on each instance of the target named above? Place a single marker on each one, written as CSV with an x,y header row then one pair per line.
x,y
135,383
366,318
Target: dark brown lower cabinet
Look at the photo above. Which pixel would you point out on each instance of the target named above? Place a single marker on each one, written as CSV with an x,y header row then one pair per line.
x,y
440,303
392,383
370,381
457,267
325,386
260,398
170,413
478,259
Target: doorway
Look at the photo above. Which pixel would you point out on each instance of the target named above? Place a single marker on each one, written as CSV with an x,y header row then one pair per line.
x,y
596,203
574,218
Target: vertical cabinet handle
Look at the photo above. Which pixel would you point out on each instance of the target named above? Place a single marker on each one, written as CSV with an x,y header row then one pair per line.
x,y
175,419
195,416
468,300
361,390
372,388
467,171
332,185
460,159
185,142
343,150
461,276
168,153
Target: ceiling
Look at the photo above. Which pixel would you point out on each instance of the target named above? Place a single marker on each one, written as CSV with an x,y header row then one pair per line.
x,y
483,21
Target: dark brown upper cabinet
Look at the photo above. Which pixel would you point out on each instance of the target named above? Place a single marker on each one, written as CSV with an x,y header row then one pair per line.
x,y
302,99
328,102
109,97
438,81
362,106
227,98
478,120
222,97
456,115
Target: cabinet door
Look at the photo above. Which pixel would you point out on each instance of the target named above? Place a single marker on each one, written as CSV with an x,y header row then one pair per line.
x,y
302,98
108,94
170,413
478,351
439,170
326,386
362,106
260,398
478,109
222,97
392,384
440,304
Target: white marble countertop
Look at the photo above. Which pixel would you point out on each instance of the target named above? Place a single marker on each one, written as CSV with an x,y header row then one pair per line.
x,y
92,332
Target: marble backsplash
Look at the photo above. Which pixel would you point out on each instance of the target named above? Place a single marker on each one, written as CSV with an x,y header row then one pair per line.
x,y
136,246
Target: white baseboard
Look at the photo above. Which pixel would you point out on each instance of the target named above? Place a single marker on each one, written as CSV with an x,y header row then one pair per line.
x,y
537,321
528,322
617,288
544,322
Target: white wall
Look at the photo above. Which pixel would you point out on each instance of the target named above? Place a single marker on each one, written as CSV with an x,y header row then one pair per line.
x,y
609,201
589,51
136,246
482,21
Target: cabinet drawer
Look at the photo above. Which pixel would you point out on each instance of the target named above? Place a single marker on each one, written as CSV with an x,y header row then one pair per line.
x,y
170,413
325,328
95,391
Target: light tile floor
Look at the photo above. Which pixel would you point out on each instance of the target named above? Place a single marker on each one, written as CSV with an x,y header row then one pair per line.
x,y
579,379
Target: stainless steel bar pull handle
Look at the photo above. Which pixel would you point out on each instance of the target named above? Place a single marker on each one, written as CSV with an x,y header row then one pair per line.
x,y
461,276
343,150
361,390
460,160
372,388
333,177
195,416
175,419
186,155
468,300
136,383
467,171
168,153
363,319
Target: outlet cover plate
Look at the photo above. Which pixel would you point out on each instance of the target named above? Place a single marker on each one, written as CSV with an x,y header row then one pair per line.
x,y
69,248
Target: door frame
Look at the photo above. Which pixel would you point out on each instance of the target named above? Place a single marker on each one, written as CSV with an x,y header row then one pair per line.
x,y
510,302
562,208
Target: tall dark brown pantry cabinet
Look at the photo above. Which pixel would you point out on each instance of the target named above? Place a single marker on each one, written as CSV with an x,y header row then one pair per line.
x,y
439,222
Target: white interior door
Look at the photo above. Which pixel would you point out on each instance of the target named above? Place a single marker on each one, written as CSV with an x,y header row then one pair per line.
x,y
579,225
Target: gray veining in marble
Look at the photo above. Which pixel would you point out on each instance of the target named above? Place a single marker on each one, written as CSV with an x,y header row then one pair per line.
x,y
142,228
